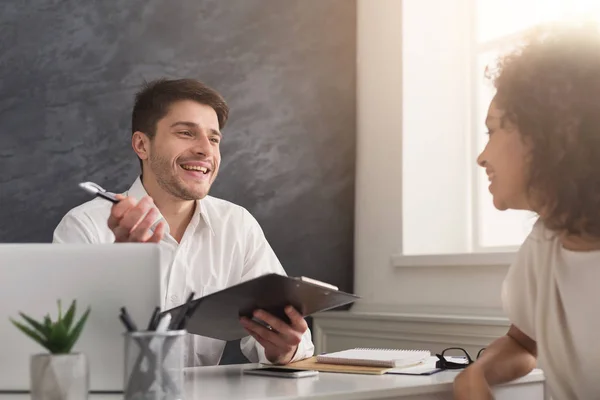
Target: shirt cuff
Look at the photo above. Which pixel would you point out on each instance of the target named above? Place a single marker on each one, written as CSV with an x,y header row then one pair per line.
x,y
305,349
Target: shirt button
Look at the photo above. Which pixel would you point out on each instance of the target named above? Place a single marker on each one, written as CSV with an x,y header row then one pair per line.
x,y
174,298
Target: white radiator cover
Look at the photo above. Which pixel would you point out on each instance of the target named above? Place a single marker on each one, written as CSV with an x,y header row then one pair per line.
x,y
339,330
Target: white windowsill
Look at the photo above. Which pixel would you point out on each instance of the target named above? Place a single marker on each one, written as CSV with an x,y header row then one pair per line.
x,y
504,258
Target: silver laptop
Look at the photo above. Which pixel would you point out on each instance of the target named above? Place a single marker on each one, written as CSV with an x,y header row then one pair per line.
x,y
104,277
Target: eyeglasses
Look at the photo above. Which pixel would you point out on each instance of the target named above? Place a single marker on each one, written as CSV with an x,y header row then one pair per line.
x,y
443,363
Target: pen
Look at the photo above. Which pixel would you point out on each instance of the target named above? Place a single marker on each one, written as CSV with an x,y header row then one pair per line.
x,y
97,190
162,327
127,320
126,323
176,323
188,314
153,320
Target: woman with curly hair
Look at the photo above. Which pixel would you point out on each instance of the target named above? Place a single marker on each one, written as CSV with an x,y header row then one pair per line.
x,y
543,155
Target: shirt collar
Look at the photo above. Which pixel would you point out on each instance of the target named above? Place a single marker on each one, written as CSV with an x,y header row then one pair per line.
x,y
138,191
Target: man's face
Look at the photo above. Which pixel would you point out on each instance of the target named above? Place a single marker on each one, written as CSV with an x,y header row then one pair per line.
x,y
505,161
184,154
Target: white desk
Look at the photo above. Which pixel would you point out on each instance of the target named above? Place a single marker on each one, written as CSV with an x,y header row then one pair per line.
x,y
228,382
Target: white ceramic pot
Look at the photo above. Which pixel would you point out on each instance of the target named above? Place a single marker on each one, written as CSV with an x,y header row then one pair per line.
x,y
59,376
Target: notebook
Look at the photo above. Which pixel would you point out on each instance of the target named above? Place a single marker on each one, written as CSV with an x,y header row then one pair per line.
x,y
388,358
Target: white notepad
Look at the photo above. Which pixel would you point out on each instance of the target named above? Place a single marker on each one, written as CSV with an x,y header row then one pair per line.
x,y
390,358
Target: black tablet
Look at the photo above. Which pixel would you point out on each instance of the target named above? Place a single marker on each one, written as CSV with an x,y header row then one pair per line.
x,y
217,315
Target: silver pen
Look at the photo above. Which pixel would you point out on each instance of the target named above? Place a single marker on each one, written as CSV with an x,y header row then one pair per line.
x,y
99,191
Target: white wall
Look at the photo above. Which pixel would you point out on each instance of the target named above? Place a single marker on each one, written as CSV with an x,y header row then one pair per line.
x,y
435,125
468,290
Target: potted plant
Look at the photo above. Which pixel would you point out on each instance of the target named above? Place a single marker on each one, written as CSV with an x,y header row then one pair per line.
x,y
58,374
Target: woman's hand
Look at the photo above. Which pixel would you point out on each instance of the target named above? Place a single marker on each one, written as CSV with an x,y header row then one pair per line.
x,y
470,384
509,357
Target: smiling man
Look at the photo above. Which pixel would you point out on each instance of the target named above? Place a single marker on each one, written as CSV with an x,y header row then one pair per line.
x,y
207,244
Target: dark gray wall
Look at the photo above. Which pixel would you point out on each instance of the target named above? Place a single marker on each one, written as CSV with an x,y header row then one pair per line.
x,y
69,70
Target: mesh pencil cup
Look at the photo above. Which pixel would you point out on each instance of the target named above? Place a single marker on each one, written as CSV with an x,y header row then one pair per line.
x,y
154,364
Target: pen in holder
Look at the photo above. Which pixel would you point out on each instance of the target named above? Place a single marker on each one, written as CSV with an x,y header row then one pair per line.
x,y
154,362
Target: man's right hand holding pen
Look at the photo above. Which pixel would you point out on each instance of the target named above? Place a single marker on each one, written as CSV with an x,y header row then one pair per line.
x,y
130,220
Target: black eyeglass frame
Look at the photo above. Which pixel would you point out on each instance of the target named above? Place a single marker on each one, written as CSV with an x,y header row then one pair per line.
x,y
442,363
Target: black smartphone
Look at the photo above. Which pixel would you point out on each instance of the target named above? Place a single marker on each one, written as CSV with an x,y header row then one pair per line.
x,y
281,372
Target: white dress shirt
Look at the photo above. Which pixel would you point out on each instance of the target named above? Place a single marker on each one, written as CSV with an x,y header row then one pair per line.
x,y
223,245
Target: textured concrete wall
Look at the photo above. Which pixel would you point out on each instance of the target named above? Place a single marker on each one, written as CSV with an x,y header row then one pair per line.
x,y
68,72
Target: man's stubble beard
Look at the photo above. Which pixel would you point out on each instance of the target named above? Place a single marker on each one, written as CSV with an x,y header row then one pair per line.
x,y
168,181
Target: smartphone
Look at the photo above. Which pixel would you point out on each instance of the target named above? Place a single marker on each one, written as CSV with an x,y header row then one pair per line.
x,y
281,372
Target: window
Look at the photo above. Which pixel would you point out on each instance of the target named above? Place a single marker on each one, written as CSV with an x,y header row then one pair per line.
x,y
497,22
447,207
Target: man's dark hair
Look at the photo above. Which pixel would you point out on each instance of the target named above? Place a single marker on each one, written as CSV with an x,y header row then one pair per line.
x,y
155,98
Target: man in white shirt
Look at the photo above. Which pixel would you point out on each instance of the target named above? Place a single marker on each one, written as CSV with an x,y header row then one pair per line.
x,y
207,243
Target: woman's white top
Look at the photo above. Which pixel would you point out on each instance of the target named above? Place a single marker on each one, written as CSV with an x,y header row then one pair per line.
x,y
553,296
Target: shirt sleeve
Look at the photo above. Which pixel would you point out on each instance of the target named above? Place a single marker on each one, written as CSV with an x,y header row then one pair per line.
x,y
519,289
75,228
260,259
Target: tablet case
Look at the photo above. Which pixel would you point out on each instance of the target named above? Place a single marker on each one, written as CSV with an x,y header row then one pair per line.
x,y
218,314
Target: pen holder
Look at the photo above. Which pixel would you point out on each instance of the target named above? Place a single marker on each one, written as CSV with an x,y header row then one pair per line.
x,y
154,364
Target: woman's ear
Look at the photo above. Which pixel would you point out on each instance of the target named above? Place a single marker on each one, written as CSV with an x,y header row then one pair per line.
x,y
141,144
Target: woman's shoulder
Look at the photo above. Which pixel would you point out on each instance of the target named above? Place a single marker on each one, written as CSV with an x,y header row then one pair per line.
x,y
540,235
537,249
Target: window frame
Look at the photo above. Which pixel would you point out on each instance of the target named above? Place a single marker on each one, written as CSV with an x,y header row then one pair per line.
x,y
475,79
474,254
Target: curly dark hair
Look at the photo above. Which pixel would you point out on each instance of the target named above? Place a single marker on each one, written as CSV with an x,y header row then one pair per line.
x,y
549,88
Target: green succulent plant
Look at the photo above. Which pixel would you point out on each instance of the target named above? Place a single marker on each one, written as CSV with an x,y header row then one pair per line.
x,y
59,336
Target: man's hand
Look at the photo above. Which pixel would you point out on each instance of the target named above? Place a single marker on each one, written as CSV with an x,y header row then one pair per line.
x,y
130,221
280,342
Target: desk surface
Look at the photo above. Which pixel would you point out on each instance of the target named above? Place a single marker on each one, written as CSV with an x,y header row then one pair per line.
x,y
228,382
